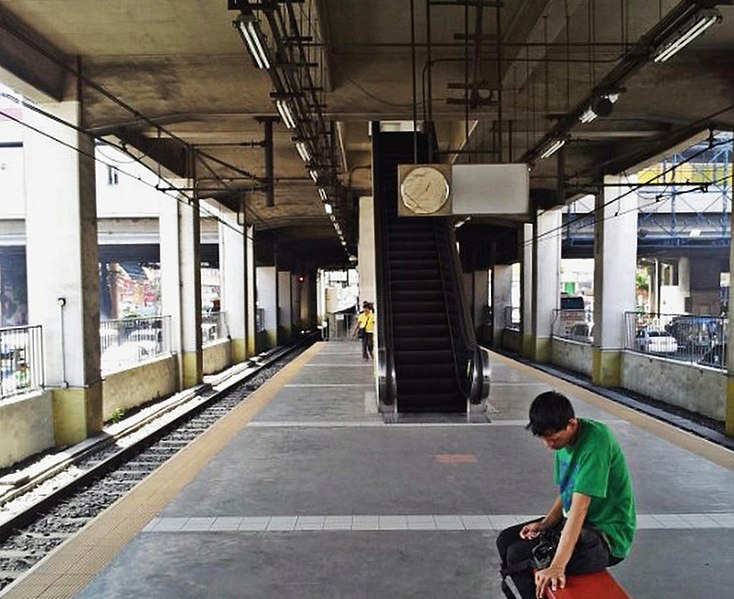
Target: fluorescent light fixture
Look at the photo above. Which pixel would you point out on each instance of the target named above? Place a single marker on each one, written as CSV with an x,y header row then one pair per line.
x,y
599,106
314,175
328,208
286,115
588,115
303,151
250,31
322,193
695,233
553,146
688,32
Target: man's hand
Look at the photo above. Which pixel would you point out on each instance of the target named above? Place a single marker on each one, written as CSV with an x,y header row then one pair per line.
x,y
553,576
532,530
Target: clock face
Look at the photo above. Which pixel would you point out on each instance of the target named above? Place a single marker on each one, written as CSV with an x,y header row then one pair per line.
x,y
424,190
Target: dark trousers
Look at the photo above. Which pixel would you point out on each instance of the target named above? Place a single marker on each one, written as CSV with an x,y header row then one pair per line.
x,y
367,345
591,554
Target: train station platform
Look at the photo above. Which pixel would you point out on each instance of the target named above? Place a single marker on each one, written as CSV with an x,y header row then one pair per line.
x,y
304,491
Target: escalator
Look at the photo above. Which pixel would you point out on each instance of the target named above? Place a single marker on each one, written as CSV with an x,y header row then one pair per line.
x,y
428,360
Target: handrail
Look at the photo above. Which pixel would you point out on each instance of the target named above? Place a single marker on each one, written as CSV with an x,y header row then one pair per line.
x,y
387,383
475,385
447,279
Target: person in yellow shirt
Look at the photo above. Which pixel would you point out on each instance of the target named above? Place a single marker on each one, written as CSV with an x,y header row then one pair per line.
x,y
365,329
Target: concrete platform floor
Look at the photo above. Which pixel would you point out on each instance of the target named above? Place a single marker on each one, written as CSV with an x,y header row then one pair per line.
x,y
303,491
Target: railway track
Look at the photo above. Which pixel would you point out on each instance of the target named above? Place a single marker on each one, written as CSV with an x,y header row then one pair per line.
x,y
46,507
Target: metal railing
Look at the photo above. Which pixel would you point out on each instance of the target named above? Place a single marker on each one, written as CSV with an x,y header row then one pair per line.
x,y
129,341
691,338
340,326
213,327
21,360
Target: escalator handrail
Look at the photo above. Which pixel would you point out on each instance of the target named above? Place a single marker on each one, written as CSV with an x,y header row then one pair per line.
x,y
384,351
477,381
454,304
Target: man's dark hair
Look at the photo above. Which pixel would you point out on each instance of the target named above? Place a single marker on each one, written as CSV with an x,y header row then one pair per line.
x,y
549,413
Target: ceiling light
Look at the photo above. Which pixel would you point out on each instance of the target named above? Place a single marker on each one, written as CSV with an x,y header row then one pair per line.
x,y
695,233
314,175
689,31
600,106
323,194
249,28
328,208
552,147
303,151
286,115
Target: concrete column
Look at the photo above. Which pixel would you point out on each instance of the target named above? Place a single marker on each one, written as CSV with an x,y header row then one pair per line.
x,y
525,239
366,250
170,274
233,269
546,280
284,306
615,266
251,303
181,282
62,265
501,299
267,301
729,399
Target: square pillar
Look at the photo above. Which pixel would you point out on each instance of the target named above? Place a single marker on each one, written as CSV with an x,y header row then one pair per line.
x,y
501,299
546,280
267,304
525,239
233,272
181,282
62,265
285,317
615,267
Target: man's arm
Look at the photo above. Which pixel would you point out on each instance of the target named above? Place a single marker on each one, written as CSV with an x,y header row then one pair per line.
x,y
555,573
554,515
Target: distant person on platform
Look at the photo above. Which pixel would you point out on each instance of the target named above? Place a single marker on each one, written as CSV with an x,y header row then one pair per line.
x,y
364,329
591,523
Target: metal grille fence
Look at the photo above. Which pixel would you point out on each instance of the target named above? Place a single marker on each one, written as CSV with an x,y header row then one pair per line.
x,y
21,360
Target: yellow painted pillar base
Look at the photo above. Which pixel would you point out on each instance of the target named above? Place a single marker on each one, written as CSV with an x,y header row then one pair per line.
x,y
542,349
77,413
729,406
193,369
606,367
527,346
239,350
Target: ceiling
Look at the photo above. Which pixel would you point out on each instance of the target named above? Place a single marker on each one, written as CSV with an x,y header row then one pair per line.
x,y
174,82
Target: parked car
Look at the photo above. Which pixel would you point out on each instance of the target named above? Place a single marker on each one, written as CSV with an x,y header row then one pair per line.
x,y
656,342
695,332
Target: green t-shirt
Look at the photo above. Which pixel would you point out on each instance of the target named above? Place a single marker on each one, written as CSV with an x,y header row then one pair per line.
x,y
595,466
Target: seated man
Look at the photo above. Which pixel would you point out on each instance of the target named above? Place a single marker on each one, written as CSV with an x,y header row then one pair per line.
x,y
593,517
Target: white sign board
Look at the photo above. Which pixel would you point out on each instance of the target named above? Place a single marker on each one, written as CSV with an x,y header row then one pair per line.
x,y
490,189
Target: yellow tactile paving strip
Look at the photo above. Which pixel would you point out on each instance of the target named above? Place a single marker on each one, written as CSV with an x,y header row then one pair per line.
x,y
710,451
69,569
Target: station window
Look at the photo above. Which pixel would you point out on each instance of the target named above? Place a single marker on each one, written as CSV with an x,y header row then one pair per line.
x,y
112,175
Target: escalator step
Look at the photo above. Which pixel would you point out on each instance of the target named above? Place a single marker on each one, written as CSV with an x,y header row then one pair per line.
x,y
418,319
426,331
410,285
448,403
425,356
411,344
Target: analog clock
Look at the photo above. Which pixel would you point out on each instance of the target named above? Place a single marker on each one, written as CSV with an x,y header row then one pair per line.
x,y
424,190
